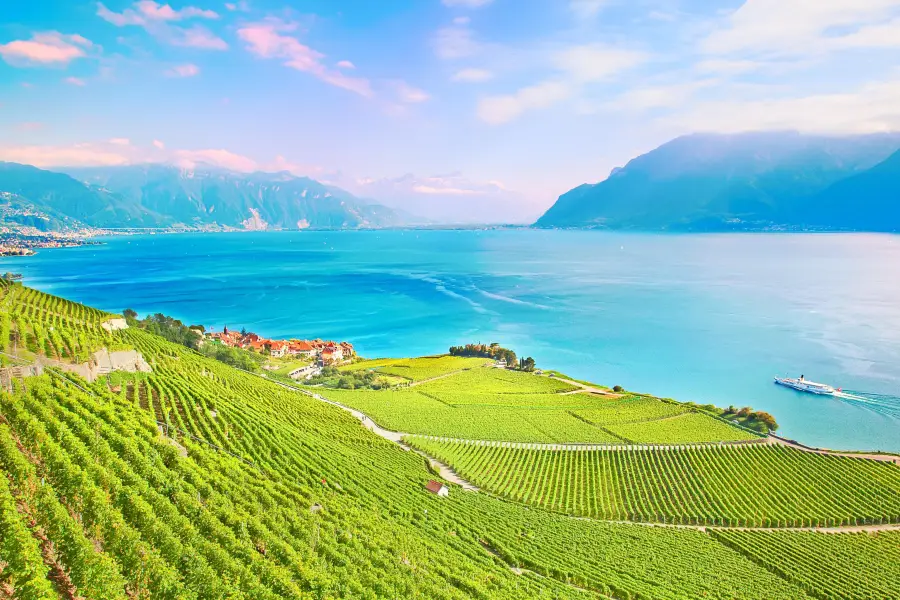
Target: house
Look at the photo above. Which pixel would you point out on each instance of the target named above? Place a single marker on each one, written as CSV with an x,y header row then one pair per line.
x,y
277,348
437,488
332,354
347,347
301,348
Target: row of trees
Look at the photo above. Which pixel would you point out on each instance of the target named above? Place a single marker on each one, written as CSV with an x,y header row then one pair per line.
x,y
495,351
174,330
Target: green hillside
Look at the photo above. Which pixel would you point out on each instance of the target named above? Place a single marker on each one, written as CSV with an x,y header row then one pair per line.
x,y
201,481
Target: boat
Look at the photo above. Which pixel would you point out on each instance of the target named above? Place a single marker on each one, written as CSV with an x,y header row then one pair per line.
x,y
804,385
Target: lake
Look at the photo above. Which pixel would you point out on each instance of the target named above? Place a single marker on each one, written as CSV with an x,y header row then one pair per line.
x,y
707,318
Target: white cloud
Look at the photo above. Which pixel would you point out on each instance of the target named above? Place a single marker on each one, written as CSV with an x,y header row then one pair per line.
x,y
594,62
455,41
650,97
451,198
874,107
497,110
241,6
186,70
75,81
586,9
728,67
46,48
577,66
159,145
473,75
266,40
776,27
466,3
120,141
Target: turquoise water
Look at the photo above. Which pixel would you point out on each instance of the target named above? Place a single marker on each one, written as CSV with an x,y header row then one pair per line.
x,y
706,318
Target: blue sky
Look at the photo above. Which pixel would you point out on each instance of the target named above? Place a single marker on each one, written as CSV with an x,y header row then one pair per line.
x,y
488,108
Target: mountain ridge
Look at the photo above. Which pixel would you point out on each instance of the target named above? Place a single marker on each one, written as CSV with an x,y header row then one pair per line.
x,y
155,195
716,182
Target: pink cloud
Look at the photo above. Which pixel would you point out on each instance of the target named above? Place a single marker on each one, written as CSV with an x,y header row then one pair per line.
x,y
157,19
48,48
345,64
198,37
220,158
187,70
146,11
75,81
52,156
159,145
266,40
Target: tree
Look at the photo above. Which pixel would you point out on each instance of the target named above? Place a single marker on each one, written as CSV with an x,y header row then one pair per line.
x,y
129,313
765,419
618,389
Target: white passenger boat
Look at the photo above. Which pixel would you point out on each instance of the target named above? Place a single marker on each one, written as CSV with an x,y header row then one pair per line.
x,y
804,385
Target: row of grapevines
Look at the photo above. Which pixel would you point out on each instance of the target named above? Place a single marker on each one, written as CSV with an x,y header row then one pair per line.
x,y
751,485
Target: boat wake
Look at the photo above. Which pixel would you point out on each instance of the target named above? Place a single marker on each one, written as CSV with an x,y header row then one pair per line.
x,y
879,403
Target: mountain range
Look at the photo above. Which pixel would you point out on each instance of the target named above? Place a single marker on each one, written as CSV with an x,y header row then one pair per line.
x,y
752,181
158,195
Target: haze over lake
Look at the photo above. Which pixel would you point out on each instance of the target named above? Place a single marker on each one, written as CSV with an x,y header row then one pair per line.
x,y
708,318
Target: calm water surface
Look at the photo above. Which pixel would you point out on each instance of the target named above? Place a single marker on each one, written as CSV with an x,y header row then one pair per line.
x,y
707,318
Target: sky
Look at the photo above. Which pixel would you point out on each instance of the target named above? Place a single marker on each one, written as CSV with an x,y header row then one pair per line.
x,y
453,109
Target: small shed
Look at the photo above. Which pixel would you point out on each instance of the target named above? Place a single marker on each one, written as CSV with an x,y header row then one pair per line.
x,y
437,488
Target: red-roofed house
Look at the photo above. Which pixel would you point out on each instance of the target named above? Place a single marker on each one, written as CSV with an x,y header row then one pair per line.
x,y
277,348
301,348
332,354
437,488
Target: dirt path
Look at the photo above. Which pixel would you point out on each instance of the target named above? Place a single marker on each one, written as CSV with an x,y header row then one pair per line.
x,y
584,387
579,446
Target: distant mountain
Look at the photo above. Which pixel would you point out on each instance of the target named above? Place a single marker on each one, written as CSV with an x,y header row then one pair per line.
x,y
63,198
869,201
711,182
155,195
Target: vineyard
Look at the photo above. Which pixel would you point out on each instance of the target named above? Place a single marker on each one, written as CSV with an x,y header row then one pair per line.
x,y
200,481
33,323
858,566
754,485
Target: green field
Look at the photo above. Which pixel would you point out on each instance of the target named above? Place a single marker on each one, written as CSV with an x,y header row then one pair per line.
x,y
686,428
758,485
200,481
417,369
495,404
497,381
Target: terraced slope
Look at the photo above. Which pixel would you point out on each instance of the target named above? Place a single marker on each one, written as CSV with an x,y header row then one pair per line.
x,y
758,485
201,481
33,323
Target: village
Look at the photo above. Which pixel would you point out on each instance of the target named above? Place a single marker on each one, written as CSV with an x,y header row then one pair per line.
x,y
309,355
